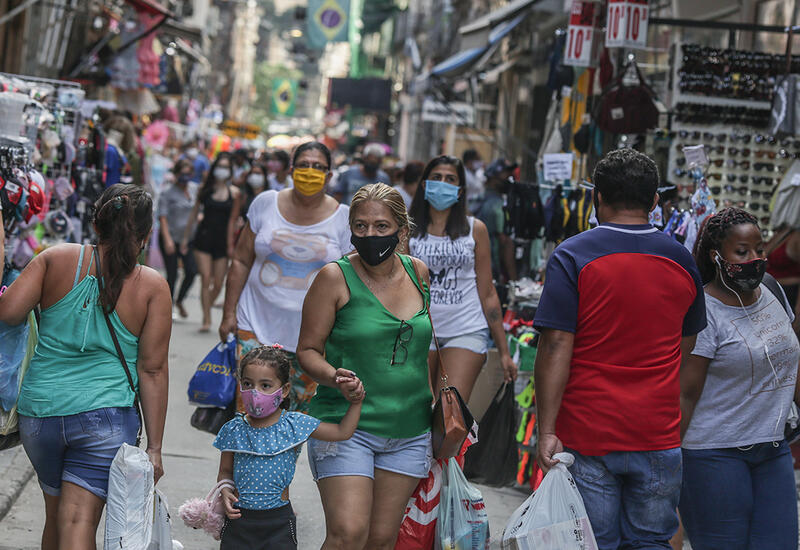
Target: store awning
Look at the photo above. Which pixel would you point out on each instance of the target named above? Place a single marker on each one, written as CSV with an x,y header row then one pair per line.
x,y
501,31
463,59
182,30
497,16
458,61
479,31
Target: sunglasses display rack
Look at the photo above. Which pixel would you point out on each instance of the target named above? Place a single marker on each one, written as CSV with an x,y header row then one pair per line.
x,y
722,99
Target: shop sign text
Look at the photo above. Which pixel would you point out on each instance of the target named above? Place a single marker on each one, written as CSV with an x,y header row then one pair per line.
x,y
626,24
581,34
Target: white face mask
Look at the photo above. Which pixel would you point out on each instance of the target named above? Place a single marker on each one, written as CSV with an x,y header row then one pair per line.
x,y
222,173
256,180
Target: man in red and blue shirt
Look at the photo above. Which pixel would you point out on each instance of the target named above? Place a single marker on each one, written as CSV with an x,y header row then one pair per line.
x,y
621,304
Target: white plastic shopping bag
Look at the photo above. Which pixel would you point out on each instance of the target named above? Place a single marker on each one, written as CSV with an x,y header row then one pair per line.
x,y
129,505
553,518
463,523
161,537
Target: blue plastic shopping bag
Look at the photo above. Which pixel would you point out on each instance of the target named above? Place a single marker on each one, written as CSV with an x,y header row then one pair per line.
x,y
214,382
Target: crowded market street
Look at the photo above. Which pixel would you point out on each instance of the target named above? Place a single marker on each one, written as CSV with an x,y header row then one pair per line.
x,y
190,460
399,274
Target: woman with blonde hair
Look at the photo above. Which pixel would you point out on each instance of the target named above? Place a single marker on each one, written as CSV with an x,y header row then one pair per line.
x,y
366,315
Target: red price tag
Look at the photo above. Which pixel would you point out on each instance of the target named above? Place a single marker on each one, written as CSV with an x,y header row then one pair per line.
x,y
581,34
626,24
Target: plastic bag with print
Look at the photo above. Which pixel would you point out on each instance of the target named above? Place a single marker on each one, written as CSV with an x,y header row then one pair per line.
x,y
552,518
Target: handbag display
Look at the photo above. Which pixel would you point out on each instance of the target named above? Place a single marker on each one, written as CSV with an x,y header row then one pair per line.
x,y
451,420
627,109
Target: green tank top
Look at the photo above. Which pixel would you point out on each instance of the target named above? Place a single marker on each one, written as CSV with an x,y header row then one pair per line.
x,y
398,401
75,367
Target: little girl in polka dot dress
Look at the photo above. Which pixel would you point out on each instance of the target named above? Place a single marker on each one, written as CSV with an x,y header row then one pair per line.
x,y
260,450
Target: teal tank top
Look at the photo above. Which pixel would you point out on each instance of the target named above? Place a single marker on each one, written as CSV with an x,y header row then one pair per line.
x,y
75,367
363,339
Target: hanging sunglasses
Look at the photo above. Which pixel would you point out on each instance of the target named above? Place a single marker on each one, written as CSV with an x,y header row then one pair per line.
x,y
756,194
680,161
735,151
741,177
760,138
715,190
744,138
743,164
764,153
764,180
740,190
759,206
716,176
758,166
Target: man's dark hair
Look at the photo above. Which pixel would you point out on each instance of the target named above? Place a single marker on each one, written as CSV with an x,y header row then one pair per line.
x,y
412,172
626,179
470,155
283,157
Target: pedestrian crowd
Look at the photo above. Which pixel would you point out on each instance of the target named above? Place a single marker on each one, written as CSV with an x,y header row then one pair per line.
x,y
669,376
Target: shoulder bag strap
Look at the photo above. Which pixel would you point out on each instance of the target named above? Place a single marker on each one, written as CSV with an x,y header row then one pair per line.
x,y
442,372
122,360
775,287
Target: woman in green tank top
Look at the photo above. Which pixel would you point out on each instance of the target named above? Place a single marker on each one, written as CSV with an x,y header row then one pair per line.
x,y
76,402
366,315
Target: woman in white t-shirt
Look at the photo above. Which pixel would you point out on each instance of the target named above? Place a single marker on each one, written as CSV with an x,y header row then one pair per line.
x,y
290,234
464,305
737,387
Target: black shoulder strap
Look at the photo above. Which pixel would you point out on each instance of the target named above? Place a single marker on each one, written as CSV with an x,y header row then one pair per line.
x,y
119,352
775,287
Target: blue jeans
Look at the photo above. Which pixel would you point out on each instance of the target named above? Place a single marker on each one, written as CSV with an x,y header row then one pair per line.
x,y
741,498
78,448
630,497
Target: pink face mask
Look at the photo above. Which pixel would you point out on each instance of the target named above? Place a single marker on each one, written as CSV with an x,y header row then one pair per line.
x,y
261,405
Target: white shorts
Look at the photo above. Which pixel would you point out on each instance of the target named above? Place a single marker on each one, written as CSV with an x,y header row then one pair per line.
x,y
476,342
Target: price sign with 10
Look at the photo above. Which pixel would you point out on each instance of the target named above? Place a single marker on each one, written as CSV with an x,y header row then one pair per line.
x,y
626,24
580,35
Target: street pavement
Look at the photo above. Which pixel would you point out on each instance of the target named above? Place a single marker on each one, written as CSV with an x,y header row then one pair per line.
x,y
190,465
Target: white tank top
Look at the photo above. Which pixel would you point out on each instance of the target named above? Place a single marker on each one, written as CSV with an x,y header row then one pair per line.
x,y
455,305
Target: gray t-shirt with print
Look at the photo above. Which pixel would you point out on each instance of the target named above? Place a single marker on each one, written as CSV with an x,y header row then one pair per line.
x,y
743,402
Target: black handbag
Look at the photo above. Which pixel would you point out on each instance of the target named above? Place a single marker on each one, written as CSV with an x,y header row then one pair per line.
x,y
211,419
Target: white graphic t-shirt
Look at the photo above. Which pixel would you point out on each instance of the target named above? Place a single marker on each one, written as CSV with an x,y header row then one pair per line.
x,y
455,305
744,401
288,257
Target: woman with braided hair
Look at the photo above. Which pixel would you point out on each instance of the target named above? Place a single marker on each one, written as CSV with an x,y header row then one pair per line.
x,y
77,404
737,388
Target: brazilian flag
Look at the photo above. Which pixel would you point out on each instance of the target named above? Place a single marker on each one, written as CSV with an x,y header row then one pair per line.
x,y
328,21
284,96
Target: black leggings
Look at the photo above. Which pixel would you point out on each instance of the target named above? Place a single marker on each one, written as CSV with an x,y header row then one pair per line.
x,y
171,264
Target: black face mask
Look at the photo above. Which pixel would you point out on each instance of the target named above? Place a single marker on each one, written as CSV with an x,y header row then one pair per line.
x,y
375,250
746,276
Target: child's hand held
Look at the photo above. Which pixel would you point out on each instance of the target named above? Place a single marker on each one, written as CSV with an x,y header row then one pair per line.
x,y
230,500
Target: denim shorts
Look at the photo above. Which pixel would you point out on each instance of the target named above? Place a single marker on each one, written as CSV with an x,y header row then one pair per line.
x,y
78,448
363,453
476,342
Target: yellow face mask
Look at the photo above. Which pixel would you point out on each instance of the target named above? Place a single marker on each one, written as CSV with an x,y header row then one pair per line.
x,y
308,181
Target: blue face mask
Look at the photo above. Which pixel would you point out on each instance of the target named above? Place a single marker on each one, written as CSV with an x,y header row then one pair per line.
x,y
441,195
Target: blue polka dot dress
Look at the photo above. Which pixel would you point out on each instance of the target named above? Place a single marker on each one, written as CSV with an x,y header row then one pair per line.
x,y
264,459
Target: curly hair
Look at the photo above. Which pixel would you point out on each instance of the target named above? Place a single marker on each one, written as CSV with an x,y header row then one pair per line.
x,y
273,356
713,232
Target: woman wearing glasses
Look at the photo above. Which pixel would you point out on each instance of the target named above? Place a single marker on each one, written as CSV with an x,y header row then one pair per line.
x,y
366,316
455,247
289,235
